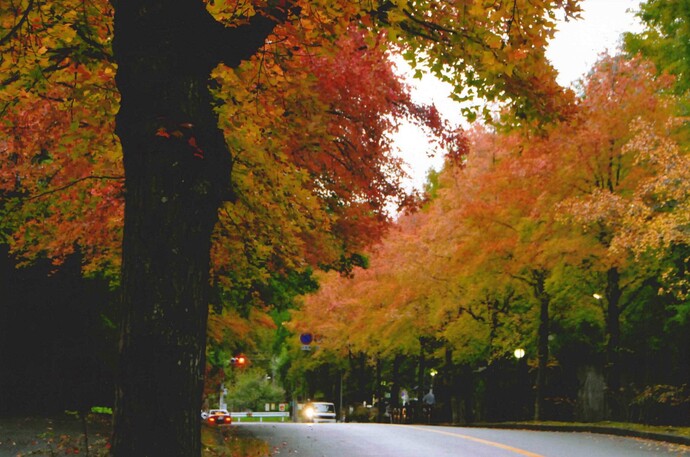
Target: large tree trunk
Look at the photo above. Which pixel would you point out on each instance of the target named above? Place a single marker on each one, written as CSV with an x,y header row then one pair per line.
x,y
177,174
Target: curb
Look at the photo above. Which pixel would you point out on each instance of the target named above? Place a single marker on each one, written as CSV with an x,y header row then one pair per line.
x,y
604,430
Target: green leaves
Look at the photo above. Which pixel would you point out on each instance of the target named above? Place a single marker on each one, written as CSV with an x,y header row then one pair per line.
x,y
530,219
665,39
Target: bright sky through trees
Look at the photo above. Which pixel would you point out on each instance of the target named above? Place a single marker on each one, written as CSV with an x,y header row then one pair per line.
x,y
573,51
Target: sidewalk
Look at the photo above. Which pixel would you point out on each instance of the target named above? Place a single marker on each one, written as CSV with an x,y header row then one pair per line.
x,y
675,435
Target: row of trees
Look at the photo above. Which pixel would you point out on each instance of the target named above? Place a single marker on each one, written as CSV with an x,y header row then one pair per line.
x,y
201,155
570,241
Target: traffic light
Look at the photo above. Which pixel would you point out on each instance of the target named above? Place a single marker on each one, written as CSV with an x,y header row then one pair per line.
x,y
239,361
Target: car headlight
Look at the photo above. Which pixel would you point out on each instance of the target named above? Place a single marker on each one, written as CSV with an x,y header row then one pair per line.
x,y
309,412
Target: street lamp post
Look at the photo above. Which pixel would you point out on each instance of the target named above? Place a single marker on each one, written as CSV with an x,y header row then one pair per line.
x,y
429,399
519,354
433,373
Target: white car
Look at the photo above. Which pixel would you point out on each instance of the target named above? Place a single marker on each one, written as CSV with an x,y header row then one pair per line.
x,y
319,411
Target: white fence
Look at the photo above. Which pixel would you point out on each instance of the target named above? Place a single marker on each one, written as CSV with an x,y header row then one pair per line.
x,y
260,415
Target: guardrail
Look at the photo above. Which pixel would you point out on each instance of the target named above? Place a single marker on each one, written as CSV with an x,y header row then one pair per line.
x,y
260,415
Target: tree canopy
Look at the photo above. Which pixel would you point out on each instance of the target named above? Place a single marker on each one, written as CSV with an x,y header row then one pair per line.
x,y
246,138
519,237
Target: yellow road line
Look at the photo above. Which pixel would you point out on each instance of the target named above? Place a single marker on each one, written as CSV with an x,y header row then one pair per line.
x,y
478,440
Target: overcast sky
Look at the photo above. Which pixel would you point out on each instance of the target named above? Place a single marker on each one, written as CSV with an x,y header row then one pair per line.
x,y
573,51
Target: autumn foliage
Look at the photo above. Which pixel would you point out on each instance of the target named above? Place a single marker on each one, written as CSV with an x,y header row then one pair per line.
x,y
260,132
514,244
314,124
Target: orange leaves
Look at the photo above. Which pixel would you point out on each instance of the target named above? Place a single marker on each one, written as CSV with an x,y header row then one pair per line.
x,y
162,132
61,160
316,125
587,193
620,94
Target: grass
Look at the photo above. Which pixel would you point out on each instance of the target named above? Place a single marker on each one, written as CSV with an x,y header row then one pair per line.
x,y
660,429
226,442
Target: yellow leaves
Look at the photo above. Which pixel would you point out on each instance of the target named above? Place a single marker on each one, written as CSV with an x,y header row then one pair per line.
x,y
229,327
494,41
396,16
488,60
308,25
478,9
659,210
232,13
58,124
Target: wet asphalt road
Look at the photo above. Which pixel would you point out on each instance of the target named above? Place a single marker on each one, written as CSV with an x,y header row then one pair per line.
x,y
384,440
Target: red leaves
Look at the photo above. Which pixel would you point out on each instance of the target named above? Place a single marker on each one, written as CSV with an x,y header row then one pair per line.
x,y
198,153
163,132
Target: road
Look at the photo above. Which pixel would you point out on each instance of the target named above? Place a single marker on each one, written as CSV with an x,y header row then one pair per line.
x,y
388,440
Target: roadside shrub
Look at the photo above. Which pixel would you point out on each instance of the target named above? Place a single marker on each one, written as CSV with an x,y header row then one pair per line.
x,y
663,405
362,413
252,390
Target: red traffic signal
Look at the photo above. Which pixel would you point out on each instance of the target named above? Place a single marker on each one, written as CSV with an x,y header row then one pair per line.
x,y
239,361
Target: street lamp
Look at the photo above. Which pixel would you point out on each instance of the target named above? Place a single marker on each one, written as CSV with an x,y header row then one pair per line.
x,y
521,380
597,296
433,373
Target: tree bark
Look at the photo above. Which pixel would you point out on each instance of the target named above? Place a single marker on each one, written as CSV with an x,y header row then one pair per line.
x,y
177,174
378,391
447,393
542,343
421,369
395,376
613,383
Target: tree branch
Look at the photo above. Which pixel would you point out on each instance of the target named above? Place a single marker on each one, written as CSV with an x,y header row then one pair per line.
x,y
66,186
232,45
18,25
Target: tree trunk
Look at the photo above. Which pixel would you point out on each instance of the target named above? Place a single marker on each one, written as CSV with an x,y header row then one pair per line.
x,y
542,343
447,393
378,391
395,376
421,369
492,405
467,394
613,296
177,174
